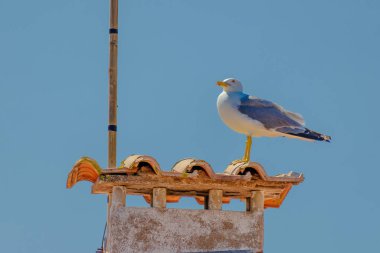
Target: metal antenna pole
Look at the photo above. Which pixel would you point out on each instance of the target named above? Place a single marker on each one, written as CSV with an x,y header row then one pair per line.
x,y
112,100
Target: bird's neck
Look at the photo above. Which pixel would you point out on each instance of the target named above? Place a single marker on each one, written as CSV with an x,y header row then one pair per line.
x,y
232,98
234,94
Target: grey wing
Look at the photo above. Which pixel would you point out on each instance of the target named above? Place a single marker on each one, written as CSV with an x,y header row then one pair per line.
x,y
271,115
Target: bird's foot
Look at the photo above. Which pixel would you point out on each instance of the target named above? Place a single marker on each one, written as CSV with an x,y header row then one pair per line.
x,y
239,161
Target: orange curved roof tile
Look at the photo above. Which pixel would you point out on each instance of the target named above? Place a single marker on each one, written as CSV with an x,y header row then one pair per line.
x,y
190,165
85,169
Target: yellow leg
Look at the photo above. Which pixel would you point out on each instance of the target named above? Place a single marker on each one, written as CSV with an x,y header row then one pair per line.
x,y
247,152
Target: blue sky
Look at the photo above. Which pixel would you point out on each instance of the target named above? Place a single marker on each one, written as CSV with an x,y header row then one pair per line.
x,y
318,58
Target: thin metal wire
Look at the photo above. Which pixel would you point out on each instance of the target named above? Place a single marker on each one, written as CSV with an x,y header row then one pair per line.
x,y
103,246
104,239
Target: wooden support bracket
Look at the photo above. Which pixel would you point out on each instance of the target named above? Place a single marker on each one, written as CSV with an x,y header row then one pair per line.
x,y
159,198
255,203
118,196
214,200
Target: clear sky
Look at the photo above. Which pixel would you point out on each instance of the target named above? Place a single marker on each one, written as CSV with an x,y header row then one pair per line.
x,y
319,58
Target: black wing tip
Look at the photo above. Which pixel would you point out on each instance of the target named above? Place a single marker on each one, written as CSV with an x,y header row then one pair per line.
x,y
312,135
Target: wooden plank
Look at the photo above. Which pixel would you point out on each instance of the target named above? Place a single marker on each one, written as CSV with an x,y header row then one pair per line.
x,y
191,187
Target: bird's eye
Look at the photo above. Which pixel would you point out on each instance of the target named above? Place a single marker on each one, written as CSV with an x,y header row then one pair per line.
x,y
233,81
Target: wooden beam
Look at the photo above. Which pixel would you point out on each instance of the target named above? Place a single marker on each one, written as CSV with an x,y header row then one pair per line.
x,y
183,184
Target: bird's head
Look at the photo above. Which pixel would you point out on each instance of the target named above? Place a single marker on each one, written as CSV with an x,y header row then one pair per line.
x,y
230,85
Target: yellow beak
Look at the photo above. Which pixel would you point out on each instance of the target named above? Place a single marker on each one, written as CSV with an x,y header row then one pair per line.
x,y
222,84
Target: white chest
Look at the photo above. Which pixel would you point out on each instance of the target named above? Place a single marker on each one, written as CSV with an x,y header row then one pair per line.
x,y
227,105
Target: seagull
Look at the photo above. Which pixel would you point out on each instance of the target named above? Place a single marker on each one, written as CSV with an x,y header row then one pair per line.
x,y
256,117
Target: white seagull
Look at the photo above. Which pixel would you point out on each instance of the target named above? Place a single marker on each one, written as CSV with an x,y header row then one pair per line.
x,y
256,117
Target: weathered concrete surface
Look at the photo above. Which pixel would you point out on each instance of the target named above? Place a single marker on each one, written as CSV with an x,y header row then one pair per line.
x,y
157,230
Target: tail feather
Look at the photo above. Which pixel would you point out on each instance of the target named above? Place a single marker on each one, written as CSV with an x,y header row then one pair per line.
x,y
310,134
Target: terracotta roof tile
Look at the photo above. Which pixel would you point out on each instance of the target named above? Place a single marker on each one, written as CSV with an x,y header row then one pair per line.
x,y
188,177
